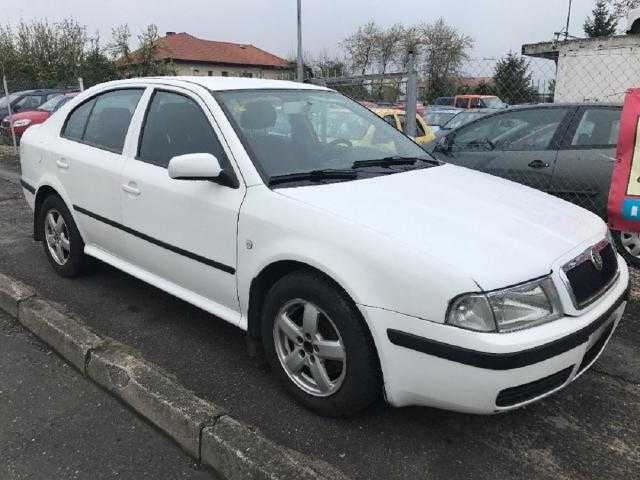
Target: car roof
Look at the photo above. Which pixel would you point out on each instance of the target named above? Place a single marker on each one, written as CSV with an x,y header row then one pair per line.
x,y
387,111
560,105
223,83
475,96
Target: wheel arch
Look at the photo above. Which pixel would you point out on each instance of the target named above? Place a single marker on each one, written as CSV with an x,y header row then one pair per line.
x,y
42,193
273,272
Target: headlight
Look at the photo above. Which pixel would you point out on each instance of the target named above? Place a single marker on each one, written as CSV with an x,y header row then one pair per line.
x,y
22,123
515,308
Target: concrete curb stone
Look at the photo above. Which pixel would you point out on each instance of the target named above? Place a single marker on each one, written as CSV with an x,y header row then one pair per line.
x,y
238,452
12,293
64,333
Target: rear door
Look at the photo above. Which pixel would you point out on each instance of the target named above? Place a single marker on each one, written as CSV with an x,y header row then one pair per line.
x,y
88,160
586,156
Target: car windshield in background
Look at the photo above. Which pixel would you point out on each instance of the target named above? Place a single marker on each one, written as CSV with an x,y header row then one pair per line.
x,y
54,104
437,119
299,131
12,97
462,119
493,102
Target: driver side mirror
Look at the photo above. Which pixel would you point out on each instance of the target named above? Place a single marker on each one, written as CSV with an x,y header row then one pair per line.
x,y
444,144
199,166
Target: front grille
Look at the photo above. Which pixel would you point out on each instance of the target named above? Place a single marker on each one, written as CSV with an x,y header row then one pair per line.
x,y
586,280
529,391
596,348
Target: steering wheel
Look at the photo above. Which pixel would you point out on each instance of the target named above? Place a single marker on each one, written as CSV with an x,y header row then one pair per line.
x,y
341,141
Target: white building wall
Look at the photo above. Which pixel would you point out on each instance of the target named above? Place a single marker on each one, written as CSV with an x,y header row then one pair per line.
x,y
217,71
600,74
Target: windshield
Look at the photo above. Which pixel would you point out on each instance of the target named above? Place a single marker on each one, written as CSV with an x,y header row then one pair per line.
x,y
12,97
437,119
462,119
54,104
295,131
493,102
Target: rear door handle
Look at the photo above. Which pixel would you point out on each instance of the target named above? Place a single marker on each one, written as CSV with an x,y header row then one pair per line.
x,y
131,188
539,164
62,163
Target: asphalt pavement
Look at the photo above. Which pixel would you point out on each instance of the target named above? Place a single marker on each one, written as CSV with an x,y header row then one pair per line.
x,y
56,424
590,430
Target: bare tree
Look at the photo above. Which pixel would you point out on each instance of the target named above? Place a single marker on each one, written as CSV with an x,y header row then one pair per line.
x,y
443,51
361,47
387,46
621,7
145,60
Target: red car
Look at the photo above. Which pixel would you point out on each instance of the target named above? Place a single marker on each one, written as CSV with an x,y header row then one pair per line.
x,y
23,120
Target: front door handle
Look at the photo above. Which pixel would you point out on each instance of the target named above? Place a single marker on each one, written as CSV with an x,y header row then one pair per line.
x,y
539,164
62,163
131,188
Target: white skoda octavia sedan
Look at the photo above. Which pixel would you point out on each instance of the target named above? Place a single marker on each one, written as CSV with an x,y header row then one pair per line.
x,y
364,266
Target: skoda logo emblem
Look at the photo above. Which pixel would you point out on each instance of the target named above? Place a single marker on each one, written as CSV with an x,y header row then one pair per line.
x,y
596,259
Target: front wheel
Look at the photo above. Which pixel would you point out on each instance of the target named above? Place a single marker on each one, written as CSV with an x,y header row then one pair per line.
x,y
318,346
628,244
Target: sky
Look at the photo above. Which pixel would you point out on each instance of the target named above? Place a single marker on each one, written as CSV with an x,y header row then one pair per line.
x,y
497,26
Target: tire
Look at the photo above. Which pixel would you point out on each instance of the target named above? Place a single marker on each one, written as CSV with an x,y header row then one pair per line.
x,y
69,259
334,372
628,245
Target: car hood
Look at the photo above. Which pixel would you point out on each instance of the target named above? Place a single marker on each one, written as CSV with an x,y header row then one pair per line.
x,y
495,231
33,115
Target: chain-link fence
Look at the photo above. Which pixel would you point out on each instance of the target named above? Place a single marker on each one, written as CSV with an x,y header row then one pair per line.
x,y
548,118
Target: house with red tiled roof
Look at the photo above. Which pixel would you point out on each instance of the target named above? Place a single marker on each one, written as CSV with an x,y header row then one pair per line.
x,y
190,55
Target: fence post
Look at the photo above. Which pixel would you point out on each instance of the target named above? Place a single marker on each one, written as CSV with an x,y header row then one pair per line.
x,y
13,132
411,97
81,84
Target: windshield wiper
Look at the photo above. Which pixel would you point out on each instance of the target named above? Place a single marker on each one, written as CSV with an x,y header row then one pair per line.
x,y
314,176
394,160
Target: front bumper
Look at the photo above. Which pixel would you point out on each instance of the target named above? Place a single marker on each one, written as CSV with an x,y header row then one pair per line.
x,y
431,364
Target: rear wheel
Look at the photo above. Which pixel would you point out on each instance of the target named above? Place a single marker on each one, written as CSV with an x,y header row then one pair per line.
x,y
62,243
318,346
628,244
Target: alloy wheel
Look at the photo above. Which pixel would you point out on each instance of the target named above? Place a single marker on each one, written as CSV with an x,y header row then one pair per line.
x,y
57,237
310,348
631,243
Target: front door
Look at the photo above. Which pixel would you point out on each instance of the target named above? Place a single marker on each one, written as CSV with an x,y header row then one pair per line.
x,y
182,231
519,145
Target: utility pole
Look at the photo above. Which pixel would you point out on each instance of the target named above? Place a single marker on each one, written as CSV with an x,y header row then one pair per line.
x,y
6,93
411,96
300,65
566,30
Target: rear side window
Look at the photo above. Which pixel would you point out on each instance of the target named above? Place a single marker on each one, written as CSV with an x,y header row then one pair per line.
x,y
175,125
598,127
103,121
109,121
74,128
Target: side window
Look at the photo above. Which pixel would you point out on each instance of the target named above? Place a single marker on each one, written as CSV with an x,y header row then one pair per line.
x,y
419,129
462,103
175,125
27,103
77,120
109,121
530,129
391,120
598,127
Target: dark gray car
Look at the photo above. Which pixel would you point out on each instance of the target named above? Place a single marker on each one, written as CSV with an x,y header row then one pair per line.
x,y
566,150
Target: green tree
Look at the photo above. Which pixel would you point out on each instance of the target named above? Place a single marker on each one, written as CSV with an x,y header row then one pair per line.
x,y
361,47
512,80
96,66
145,61
602,23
